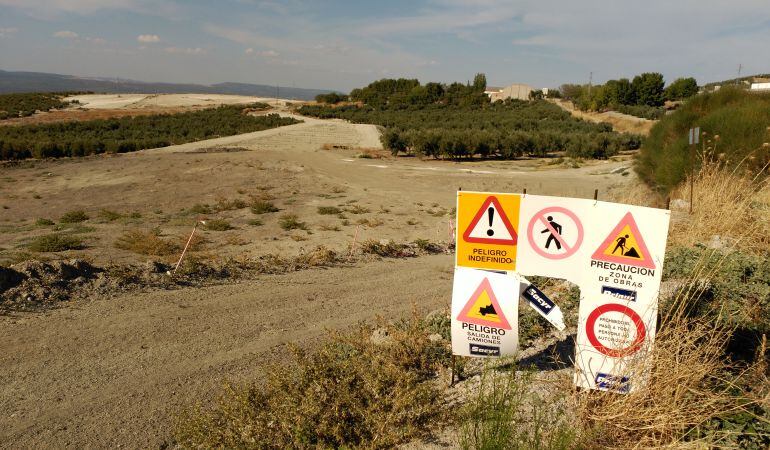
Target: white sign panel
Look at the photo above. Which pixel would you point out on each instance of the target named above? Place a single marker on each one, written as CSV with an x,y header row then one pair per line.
x,y
619,295
613,252
485,313
553,235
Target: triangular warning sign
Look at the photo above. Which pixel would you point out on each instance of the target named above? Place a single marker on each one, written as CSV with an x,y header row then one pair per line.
x,y
625,245
483,308
490,225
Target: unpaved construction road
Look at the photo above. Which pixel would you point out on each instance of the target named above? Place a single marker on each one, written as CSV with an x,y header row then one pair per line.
x,y
111,372
114,371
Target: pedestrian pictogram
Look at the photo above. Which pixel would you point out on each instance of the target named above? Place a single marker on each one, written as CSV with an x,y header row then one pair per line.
x,y
483,308
610,328
625,245
490,225
555,232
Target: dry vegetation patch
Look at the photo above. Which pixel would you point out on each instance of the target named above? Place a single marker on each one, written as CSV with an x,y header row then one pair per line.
x,y
147,242
333,397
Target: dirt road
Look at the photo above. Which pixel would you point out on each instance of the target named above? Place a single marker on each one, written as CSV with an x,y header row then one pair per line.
x,y
620,122
114,371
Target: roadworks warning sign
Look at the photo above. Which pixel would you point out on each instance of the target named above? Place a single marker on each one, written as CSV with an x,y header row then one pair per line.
x,y
487,230
485,308
618,309
625,245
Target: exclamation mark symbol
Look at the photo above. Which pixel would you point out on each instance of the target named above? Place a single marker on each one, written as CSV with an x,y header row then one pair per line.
x,y
491,215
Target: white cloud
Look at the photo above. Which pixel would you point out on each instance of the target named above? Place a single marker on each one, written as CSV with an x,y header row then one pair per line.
x,y
148,38
4,32
185,51
66,34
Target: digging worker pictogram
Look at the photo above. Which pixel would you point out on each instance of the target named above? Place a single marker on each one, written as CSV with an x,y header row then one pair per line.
x,y
555,227
621,245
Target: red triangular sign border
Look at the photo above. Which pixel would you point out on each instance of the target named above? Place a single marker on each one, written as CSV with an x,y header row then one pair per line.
x,y
628,219
484,286
504,217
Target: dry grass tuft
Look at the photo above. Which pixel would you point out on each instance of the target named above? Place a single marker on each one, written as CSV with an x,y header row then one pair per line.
x,y
147,242
685,390
728,204
353,392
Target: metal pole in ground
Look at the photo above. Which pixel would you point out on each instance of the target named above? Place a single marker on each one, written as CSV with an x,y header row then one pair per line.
x,y
353,245
181,257
692,172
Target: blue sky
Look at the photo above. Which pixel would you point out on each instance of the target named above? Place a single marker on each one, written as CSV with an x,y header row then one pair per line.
x,y
346,44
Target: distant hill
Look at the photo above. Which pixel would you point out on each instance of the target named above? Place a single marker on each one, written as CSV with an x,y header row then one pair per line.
x,y
742,81
11,82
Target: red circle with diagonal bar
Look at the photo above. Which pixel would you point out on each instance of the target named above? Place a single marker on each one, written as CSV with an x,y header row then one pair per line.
x,y
641,331
541,216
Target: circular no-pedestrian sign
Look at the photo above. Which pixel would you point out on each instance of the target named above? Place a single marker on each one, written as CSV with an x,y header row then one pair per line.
x,y
606,334
555,232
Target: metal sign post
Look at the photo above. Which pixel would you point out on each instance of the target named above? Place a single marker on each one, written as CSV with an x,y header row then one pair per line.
x,y
694,139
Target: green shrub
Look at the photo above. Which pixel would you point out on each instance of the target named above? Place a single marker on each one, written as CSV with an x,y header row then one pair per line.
x,y
146,242
350,393
44,222
263,207
55,243
326,210
738,291
199,208
229,205
74,217
218,225
291,222
504,413
739,118
643,111
108,215
255,222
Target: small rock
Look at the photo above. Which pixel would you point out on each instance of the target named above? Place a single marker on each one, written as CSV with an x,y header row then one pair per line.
x,y
380,336
435,314
435,337
718,242
678,203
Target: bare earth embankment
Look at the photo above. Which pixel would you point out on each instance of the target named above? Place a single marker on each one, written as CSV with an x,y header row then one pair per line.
x,y
104,372
620,122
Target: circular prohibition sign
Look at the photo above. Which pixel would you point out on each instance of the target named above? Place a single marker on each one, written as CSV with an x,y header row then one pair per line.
x,y
641,331
541,216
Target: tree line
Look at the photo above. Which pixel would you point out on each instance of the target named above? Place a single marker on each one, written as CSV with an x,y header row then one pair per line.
x,y
129,134
503,129
642,96
403,92
26,104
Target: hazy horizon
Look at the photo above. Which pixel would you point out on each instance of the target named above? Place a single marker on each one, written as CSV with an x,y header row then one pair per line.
x,y
342,45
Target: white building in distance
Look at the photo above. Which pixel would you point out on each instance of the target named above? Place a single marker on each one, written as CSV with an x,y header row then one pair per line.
x,y
517,91
760,86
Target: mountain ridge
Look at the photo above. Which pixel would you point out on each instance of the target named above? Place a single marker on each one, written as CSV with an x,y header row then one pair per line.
x,y
24,81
